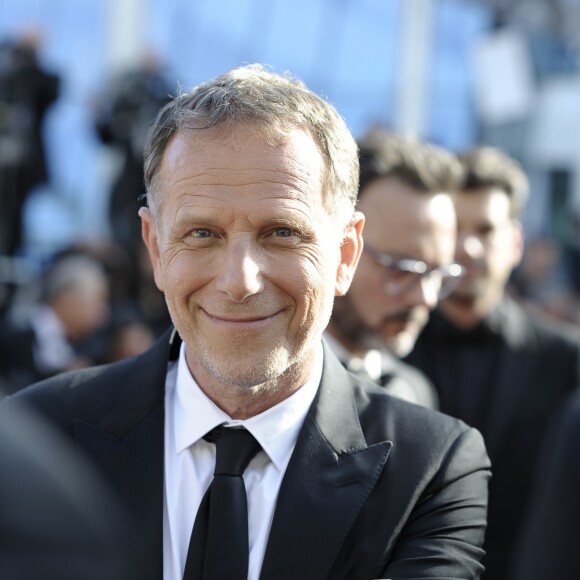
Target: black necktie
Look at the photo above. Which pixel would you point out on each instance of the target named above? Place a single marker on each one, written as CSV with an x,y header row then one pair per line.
x,y
218,548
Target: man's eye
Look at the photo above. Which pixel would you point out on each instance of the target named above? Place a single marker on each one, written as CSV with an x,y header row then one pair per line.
x,y
201,233
283,232
486,230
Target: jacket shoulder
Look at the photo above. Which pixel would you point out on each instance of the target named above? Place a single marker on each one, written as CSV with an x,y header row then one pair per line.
x,y
84,392
89,394
415,431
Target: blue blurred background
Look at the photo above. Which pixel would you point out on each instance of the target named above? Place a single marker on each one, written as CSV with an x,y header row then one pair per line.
x,y
456,72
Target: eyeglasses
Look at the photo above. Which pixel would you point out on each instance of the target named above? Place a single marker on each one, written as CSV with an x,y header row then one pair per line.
x,y
401,274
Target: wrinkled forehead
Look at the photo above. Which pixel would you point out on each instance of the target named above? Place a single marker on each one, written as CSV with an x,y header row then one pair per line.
x,y
199,145
218,153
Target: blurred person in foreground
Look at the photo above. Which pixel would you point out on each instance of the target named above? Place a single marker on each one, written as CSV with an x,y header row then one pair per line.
x,y
46,338
252,231
124,115
58,520
407,260
549,544
494,365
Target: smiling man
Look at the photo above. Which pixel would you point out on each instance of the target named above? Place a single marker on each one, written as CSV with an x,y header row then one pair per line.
x,y
407,262
240,443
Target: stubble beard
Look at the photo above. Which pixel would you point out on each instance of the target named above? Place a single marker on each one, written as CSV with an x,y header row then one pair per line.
x,y
366,337
241,371
242,368
350,325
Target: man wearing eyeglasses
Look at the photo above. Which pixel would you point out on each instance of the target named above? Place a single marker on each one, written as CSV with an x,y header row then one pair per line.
x,y
407,263
494,366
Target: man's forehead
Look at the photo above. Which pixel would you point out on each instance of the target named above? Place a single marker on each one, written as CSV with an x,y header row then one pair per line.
x,y
217,169
486,202
200,145
389,200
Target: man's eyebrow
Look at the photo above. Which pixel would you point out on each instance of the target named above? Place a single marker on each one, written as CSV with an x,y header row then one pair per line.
x,y
189,219
290,221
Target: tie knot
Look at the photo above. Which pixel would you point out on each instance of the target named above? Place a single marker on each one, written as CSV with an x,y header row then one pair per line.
x,y
235,448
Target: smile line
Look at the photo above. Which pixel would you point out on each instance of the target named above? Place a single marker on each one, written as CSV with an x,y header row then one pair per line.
x,y
241,320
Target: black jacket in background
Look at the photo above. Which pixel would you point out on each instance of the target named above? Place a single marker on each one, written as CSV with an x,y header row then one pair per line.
x,y
550,544
538,365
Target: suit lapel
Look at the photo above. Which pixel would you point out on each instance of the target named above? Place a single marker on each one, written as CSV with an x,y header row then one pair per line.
x,y
515,372
330,475
127,444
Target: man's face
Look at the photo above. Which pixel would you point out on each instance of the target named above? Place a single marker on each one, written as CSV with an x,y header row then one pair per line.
x,y
403,223
85,309
246,254
489,246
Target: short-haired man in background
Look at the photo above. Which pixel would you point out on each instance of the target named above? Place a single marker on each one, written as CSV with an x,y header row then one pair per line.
x,y
407,261
493,365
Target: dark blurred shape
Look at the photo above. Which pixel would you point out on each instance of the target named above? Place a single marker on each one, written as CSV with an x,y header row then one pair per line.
x,y
15,273
549,548
26,92
129,337
124,117
542,282
58,520
572,255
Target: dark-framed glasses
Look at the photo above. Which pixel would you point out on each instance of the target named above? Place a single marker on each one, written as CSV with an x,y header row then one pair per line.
x,y
401,274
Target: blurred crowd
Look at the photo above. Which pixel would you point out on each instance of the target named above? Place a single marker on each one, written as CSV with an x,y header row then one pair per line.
x,y
93,301
123,309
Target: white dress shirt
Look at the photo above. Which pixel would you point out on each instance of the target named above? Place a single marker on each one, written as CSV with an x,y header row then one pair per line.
x,y
190,460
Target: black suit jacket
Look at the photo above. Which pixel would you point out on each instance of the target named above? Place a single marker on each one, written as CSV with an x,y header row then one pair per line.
x,y
376,487
538,365
549,548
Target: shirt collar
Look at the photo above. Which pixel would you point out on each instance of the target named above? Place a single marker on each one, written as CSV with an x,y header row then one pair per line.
x,y
276,429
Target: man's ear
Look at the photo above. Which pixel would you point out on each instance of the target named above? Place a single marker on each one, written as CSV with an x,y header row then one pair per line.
x,y
149,234
350,252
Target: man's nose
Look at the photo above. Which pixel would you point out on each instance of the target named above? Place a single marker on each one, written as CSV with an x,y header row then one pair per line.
x,y
240,273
